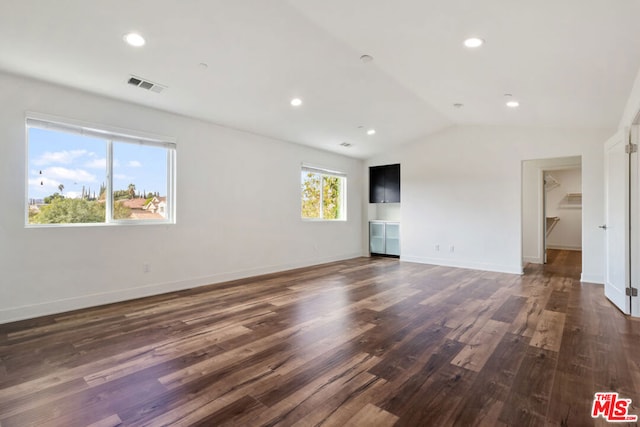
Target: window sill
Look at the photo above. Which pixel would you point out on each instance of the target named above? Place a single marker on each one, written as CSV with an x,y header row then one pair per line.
x,y
100,224
322,220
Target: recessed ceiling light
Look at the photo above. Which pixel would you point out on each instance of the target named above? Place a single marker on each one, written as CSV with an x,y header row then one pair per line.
x,y
473,42
134,39
296,102
513,104
371,132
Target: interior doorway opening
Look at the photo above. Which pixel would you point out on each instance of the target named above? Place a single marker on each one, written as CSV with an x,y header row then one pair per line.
x,y
552,211
562,218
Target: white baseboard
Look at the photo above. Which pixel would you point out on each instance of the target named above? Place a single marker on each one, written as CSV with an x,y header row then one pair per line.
x,y
565,248
532,260
464,264
587,278
68,304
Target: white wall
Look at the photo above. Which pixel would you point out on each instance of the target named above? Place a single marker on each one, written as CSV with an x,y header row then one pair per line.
x,y
462,188
384,211
567,233
238,211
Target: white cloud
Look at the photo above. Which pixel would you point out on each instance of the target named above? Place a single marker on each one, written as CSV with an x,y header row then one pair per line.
x,y
134,164
96,164
75,175
44,184
59,157
73,194
120,176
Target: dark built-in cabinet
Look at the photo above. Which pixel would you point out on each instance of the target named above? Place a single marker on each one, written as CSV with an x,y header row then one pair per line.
x,y
384,184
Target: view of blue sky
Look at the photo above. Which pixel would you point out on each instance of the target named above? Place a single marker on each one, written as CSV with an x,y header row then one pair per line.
x,y
75,161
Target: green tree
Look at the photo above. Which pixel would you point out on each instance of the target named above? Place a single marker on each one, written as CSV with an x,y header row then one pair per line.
x,y
311,195
321,192
69,211
131,190
120,211
121,194
61,187
53,197
331,197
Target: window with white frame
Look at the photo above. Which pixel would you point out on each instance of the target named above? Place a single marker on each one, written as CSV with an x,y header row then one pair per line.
x,y
84,175
323,194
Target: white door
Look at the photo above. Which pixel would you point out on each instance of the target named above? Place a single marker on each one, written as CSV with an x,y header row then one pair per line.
x,y
635,221
616,227
392,238
376,238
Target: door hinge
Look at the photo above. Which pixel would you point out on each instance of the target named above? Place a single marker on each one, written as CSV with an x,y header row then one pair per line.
x,y
631,292
631,148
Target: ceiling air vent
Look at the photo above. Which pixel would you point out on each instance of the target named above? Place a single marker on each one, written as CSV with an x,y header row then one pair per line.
x,y
146,84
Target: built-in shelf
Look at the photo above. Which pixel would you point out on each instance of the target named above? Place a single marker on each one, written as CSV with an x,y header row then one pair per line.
x,y
551,223
572,201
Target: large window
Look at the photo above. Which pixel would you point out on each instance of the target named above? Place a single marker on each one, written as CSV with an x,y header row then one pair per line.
x,y
83,175
323,194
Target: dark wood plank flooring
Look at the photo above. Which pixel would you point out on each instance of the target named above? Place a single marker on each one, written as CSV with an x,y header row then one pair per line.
x,y
362,342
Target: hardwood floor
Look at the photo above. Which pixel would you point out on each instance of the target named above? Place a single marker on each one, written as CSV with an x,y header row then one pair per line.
x,y
362,342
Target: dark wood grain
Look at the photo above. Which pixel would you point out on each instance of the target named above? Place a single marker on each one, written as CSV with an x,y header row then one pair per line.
x,y
510,309
367,341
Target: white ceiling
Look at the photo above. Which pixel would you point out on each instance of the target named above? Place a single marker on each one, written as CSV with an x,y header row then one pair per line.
x,y
570,63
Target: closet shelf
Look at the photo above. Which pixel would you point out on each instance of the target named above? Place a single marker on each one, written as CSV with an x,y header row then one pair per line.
x,y
551,222
572,201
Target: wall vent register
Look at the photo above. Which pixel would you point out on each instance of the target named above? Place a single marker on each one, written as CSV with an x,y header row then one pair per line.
x,y
145,84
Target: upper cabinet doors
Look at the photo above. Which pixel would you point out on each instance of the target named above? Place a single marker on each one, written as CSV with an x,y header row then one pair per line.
x,y
384,184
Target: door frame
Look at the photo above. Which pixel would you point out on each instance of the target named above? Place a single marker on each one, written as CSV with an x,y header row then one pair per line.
x,y
544,217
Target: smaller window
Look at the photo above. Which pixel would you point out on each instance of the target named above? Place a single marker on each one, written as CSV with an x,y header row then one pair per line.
x,y
323,194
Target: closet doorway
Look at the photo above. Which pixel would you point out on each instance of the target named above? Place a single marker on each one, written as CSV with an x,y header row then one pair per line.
x,y
552,211
562,219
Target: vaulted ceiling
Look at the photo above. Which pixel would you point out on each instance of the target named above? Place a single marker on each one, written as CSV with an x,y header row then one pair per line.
x,y
569,63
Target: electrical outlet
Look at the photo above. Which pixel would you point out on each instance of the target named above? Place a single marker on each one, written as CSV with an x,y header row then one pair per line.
x,y
436,247
146,267
451,248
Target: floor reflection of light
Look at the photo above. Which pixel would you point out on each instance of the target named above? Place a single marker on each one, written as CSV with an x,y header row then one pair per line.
x,y
324,314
